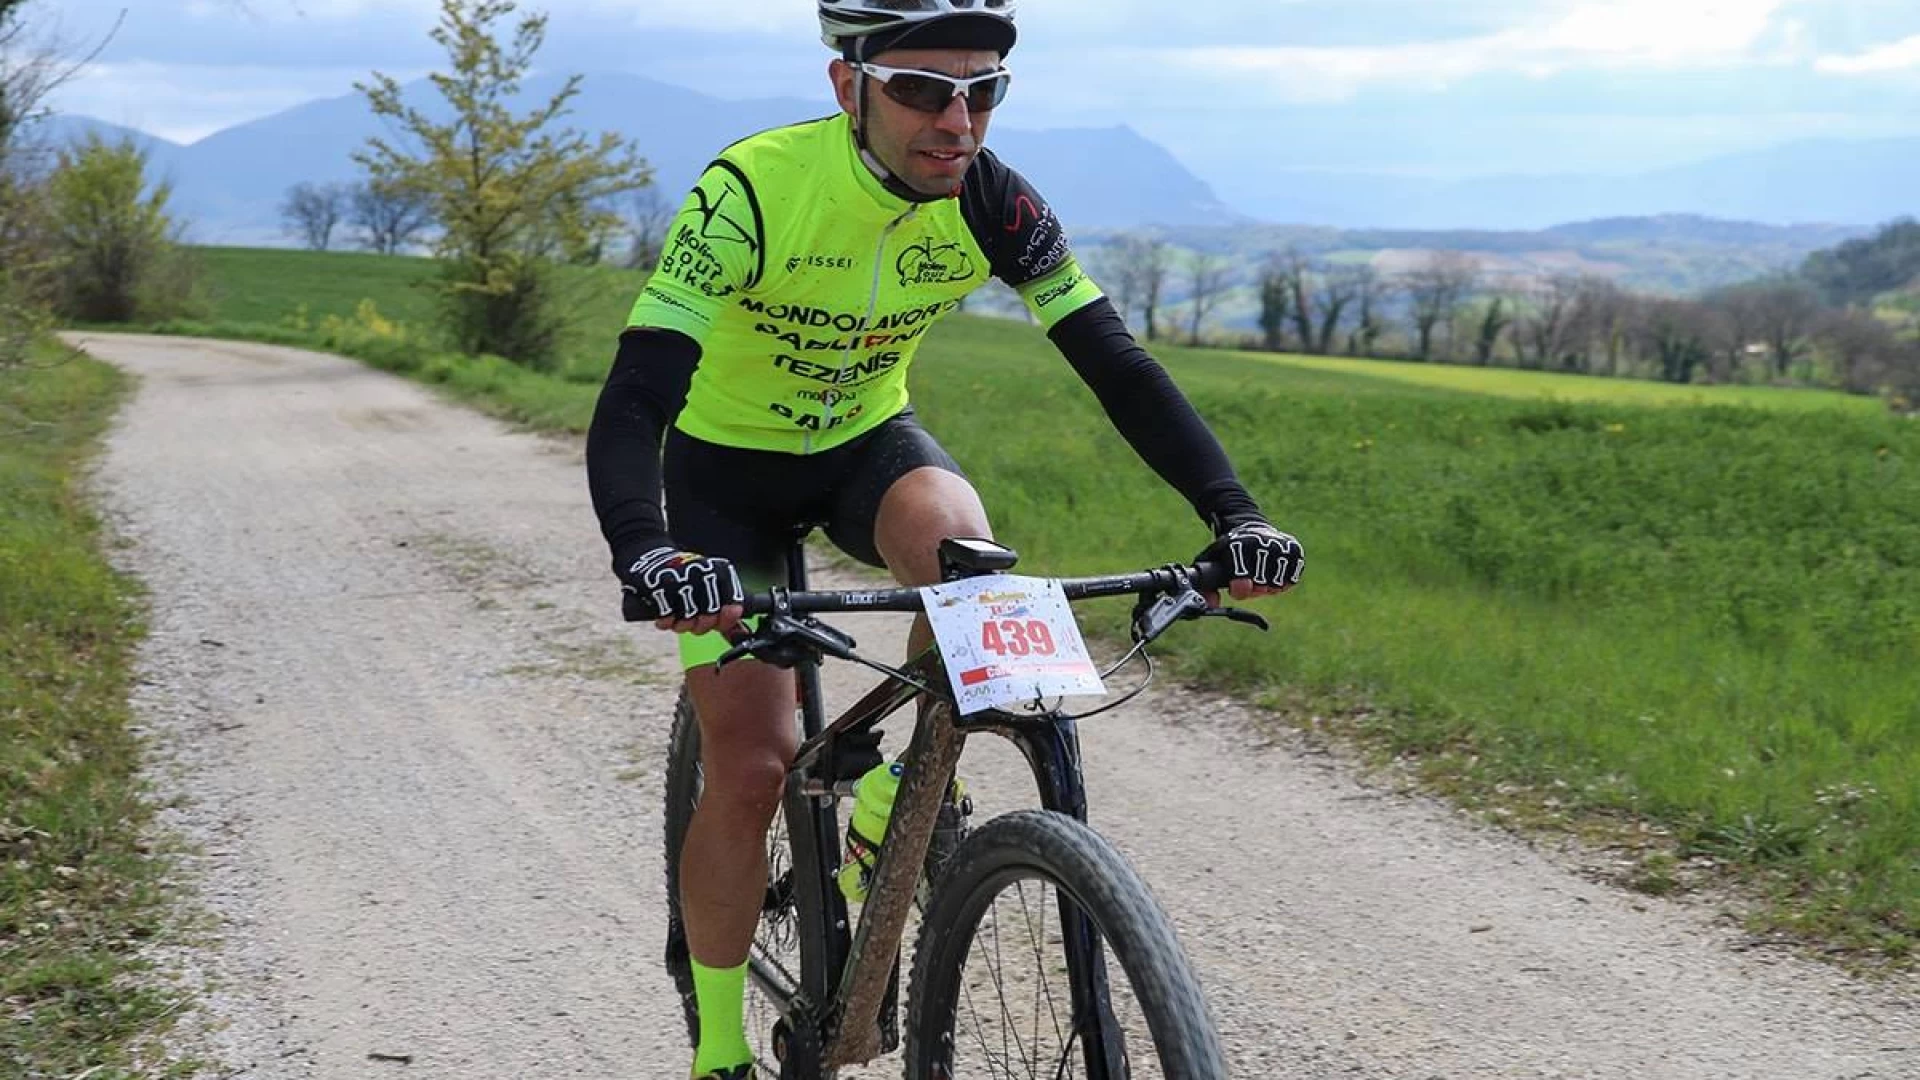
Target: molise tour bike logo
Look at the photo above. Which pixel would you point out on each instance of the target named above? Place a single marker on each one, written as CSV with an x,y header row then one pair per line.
x,y
925,264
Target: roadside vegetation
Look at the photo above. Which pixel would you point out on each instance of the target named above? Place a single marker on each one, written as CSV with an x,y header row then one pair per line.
x,y
1677,622
82,235
79,891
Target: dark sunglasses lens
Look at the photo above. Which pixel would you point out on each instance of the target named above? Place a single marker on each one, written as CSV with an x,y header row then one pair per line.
x,y
919,92
982,97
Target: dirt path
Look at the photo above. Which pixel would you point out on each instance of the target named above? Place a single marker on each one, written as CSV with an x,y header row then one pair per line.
x,y
421,756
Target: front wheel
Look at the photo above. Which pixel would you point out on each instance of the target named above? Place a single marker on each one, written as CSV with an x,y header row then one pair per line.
x,y
1011,979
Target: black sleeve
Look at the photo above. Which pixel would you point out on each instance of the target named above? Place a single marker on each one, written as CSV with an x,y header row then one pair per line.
x,y
1014,226
1152,414
643,394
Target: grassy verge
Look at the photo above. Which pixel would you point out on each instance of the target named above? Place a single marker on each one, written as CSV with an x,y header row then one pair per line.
x,y
78,892
1690,627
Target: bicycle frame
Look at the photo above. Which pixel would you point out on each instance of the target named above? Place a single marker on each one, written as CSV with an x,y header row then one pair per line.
x,y
845,977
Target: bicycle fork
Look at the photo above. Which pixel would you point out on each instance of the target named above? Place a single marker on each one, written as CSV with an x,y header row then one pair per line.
x,y
1051,745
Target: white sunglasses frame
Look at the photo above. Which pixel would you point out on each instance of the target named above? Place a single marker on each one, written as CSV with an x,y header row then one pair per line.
x,y
883,74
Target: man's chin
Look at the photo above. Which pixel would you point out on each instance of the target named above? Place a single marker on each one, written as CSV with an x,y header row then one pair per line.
x,y
931,181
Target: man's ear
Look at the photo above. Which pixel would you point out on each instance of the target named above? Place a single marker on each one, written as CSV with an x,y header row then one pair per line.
x,y
843,75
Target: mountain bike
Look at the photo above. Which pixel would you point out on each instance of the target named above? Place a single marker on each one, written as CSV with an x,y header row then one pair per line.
x,y
1018,916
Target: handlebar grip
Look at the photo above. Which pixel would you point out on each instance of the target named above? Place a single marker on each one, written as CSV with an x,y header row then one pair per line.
x,y
631,609
1211,574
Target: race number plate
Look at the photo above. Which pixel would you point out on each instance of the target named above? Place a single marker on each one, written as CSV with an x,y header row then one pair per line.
x,y
1008,640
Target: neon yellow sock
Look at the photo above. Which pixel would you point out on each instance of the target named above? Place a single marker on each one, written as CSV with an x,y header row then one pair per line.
x,y
721,994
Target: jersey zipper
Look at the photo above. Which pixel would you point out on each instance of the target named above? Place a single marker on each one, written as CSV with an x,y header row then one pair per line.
x,y
873,302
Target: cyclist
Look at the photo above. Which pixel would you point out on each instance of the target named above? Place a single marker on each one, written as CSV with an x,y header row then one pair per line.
x,y
769,352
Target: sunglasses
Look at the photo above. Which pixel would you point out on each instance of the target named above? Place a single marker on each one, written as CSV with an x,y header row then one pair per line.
x,y
932,92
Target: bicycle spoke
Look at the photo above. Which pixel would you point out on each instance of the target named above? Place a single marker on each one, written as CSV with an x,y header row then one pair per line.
x,y
1019,955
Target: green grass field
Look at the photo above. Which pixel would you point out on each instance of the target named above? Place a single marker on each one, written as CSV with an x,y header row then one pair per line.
x,y
299,291
1553,386
77,892
1680,617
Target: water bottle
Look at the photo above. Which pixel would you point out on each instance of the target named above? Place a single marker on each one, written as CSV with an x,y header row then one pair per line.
x,y
872,808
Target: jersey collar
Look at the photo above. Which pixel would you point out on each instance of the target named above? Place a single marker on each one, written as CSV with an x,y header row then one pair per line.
x,y
863,176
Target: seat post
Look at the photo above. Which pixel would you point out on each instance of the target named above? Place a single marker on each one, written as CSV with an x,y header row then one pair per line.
x,y
797,559
808,694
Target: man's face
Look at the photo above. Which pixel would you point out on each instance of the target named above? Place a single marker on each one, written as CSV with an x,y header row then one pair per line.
x,y
929,152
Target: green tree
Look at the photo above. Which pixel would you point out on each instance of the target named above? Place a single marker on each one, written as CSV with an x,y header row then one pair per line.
x,y
1860,269
1494,321
1275,303
512,192
112,239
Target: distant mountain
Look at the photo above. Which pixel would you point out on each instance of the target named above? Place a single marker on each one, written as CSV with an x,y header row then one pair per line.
x,y
1668,230
1665,253
1807,181
231,183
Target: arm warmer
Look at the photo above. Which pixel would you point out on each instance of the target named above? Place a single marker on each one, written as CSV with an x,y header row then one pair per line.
x,y
1152,414
643,394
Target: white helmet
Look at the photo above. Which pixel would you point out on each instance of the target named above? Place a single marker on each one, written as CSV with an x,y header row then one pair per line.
x,y
862,28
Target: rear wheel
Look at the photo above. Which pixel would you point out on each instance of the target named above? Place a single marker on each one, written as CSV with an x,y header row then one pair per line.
x,y
774,957
1028,900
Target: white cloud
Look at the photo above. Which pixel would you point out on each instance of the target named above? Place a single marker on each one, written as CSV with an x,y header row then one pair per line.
x,y
1901,55
182,103
763,16
1603,34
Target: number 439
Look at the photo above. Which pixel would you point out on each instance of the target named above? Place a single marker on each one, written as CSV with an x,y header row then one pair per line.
x,y
1016,637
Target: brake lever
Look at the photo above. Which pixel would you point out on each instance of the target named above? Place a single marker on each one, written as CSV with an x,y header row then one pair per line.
x,y
1152,620
784,641
1239,615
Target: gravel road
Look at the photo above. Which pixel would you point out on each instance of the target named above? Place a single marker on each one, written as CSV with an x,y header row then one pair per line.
x,y
419,755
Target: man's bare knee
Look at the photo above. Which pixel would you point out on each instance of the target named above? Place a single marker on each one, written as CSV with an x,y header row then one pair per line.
x,y
747,737
922,508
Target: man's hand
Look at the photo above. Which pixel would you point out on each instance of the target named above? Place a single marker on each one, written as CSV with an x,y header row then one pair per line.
x,y
1262,559
683,591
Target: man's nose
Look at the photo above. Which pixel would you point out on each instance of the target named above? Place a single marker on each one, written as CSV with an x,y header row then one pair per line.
x,y
955,118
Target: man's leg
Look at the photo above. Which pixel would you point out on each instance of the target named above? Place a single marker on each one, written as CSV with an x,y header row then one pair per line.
x,y
747,741
920,509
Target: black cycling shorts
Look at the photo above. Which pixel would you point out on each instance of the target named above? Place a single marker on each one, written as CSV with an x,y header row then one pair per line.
x,y
744,505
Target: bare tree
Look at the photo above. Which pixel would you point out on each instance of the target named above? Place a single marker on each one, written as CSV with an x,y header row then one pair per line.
x,y
1787,312
1207,274
1338,287
1857,346
1143,263
648,215
1543,333
311,211
1436,289
1600,319
32,66
1317,298
1370,294
388,217
1739,325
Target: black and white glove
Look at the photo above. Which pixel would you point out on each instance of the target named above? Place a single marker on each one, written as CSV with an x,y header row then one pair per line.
x,y
1257,552
666,583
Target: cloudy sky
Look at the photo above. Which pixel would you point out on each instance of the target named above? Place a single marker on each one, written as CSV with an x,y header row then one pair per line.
x,y
1439,87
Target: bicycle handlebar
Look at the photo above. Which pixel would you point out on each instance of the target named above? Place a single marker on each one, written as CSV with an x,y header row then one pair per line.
x,y
1202,576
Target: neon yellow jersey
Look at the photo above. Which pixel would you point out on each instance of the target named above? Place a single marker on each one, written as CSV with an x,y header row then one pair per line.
x,y
809,286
